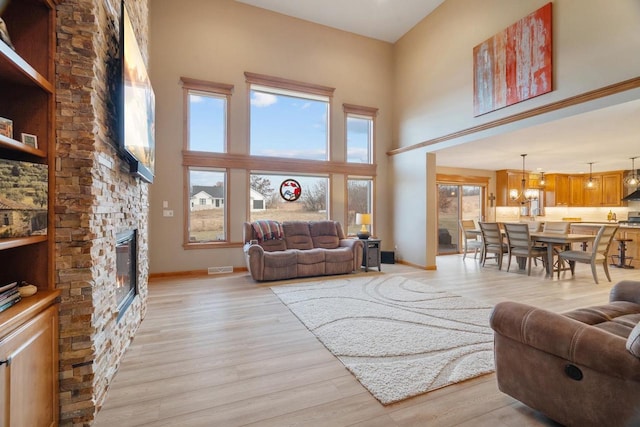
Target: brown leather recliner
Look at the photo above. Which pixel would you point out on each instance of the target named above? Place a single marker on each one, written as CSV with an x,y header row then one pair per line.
x,y
580,368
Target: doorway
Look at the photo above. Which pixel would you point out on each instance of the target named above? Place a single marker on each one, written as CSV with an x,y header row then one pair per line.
x,y
456,202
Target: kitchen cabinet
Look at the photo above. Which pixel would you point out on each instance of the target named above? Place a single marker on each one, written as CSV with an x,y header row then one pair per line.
x,y
612,189
556,190
507,179
592,196
576,190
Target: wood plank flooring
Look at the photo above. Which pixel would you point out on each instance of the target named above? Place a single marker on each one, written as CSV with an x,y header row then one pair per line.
x,y
224,351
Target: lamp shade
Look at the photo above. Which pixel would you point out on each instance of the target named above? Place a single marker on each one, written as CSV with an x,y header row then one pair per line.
x,y
364,220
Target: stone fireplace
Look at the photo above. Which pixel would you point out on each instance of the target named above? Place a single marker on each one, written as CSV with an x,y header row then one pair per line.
x,y
126,270
96,198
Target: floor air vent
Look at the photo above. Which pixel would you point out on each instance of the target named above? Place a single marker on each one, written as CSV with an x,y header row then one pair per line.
x,y
219,270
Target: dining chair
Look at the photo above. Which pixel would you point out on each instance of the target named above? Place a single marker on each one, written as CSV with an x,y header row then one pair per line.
x,y
558,227
534,226
492,242
520,245
470,240
598,254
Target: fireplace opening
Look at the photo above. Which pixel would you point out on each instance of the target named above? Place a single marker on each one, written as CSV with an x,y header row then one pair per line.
x,y
126,270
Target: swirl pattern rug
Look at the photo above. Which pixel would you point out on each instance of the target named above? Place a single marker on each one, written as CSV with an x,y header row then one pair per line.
x,y
399,337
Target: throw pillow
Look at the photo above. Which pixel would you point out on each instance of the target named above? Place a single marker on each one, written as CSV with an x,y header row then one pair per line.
x,y
633,342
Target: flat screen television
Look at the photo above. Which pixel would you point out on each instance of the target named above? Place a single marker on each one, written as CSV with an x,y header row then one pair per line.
x,y
137,118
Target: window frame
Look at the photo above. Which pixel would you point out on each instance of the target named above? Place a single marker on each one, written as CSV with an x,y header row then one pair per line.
x,y
290,88
205,160
373,204
221,90
362,112
187,243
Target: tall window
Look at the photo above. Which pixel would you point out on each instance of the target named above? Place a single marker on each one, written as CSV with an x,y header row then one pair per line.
x,y
207,121
359,133
207,207
359,200
267,203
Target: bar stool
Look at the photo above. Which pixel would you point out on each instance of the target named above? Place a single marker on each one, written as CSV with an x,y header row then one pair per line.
x,y
622,254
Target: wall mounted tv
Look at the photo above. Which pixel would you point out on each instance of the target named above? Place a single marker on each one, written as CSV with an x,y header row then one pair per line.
x,y
137,139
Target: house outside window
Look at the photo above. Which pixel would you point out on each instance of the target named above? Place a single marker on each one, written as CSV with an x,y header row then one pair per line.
x,y
206,219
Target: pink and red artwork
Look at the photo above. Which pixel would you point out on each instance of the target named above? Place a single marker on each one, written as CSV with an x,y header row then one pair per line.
x,y
514,65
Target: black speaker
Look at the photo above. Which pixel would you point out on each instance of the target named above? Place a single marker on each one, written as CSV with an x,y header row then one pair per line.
x,y
388,257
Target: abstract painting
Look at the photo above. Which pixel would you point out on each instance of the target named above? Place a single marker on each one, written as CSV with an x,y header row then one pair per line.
x,y
513,65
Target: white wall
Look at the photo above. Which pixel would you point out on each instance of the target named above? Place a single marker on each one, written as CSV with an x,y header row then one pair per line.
x,y
595,43
218,40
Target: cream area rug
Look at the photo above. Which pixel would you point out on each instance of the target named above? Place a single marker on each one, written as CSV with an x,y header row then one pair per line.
x,y
399,337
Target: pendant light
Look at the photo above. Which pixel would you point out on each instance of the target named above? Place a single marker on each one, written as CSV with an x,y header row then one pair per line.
x,y
525,195
542,181
590,184
632,180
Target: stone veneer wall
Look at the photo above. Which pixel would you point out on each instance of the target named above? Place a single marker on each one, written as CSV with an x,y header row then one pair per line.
x,y
96,198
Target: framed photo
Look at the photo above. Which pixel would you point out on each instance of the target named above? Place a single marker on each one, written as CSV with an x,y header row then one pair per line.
x,y
30,140
6,127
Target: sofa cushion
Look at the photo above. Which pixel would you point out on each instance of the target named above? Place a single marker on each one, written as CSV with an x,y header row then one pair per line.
x,y
297,235
339,255
324,234
267,230
633,342
274,245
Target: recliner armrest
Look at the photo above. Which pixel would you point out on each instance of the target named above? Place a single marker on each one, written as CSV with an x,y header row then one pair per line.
x,y
626,290
569,339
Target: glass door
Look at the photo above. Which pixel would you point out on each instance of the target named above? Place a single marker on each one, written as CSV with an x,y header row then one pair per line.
x,y
456,202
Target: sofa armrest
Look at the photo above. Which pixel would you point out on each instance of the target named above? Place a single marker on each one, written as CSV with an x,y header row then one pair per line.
x,y
357,247
566,338
627,290
254,257
351,243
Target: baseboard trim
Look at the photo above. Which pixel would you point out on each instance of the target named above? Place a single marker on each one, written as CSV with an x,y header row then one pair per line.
x,y
193,273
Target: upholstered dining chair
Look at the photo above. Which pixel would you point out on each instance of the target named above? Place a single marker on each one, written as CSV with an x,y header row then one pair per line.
x,y
469,239
520,244
598,254
492,242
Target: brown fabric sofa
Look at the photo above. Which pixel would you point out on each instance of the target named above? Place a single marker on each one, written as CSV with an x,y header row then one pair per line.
x,y
313,248
580,368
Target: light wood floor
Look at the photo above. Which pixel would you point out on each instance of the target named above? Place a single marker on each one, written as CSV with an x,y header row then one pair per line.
x,y
224,351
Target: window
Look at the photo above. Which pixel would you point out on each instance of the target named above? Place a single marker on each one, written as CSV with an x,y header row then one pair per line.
x,y
359,133
206,107
288,119
312,204
207,218
207,122
359,200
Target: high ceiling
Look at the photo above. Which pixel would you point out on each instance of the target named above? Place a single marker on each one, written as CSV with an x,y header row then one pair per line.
x,y
386,20
609,137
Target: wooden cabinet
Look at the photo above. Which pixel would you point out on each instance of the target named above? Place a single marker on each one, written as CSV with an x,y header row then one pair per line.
x,y
612,189
29,370
28,329
576,190
507,180
592,196
556,190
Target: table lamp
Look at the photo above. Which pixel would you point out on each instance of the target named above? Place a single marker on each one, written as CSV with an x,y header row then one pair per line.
x,y
364,220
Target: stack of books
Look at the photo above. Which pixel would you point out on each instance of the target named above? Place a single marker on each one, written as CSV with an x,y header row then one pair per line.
x,y
9,295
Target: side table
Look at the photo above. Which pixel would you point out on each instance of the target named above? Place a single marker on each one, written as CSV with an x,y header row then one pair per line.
x,y
371,254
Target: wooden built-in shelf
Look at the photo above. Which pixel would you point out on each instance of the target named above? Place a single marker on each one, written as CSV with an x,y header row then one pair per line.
x,y
25,309
17,242
13,68
18,146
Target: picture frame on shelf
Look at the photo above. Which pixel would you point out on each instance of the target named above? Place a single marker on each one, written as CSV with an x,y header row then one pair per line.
x,y
6,127
4,34
30,140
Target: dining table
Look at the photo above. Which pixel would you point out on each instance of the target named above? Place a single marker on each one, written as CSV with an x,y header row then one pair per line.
x,y
559,239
